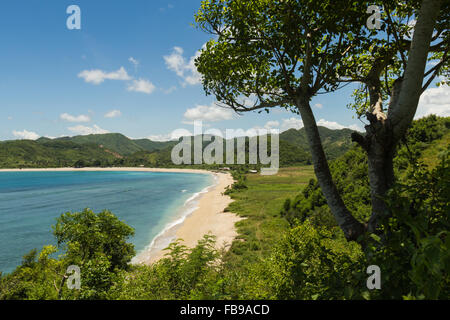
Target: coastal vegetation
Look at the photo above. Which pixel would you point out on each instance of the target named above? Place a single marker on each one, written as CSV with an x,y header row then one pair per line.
x,y
342,201
289,245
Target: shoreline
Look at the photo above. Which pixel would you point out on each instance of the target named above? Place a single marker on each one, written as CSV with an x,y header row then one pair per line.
x,y
207,216
140,169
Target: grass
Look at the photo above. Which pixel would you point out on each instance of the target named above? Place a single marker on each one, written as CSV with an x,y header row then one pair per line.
x,y
260,204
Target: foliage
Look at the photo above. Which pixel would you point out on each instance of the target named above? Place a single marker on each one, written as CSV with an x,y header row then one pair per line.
x,y
239,183
34,154
35,279
352,185
413,246
94,242
182,274
421,135
313,262
83,235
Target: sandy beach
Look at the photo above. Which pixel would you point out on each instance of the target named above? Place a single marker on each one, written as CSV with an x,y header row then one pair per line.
x,y
208,216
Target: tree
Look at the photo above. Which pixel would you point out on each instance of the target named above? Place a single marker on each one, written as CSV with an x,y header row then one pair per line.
x,y
86,234
395,69
282,53
79,164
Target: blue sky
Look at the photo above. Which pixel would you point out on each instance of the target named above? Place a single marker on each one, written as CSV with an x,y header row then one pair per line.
x,y
128,70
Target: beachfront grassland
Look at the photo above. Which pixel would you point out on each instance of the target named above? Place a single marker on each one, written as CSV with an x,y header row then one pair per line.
x,y
260,204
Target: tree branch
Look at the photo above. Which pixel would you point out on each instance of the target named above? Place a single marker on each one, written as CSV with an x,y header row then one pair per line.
x,y
403,112
436,70
361,140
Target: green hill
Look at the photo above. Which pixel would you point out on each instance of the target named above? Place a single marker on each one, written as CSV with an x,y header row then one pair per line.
x,y
115,142
48,153
115,149
335,142
149,145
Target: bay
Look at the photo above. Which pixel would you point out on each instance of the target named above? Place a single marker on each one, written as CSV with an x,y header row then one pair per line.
x,y
30,202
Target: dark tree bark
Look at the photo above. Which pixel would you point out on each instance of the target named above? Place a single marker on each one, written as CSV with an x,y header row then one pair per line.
x,y
380,154
351,227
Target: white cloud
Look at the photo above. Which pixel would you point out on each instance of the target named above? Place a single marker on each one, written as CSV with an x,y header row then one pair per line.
x,y
291,123
84,130
141,85
336,126
271,125
297,123
70,118
113,114
184,69
175,61
98,76
329,124
159,137
27,135
208,113
133,61
355,127
434,101
169,90
174,135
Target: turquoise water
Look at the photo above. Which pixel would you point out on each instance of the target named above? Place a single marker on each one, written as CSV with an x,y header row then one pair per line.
x,y
31,201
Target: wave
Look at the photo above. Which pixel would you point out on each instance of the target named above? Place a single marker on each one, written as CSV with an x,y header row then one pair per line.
x,y
167,235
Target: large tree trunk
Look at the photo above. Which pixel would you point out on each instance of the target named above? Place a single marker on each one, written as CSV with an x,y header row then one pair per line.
x,y
380,155
384,133
352,228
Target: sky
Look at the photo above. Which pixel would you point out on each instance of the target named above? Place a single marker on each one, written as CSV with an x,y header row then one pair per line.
x,y
129,69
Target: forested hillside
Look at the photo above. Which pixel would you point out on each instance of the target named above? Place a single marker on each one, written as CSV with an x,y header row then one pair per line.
x,y
51,154
119,143
115,149
335,142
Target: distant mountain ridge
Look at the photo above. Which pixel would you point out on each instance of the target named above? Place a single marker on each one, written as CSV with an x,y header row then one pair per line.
x,y
116,142
117,149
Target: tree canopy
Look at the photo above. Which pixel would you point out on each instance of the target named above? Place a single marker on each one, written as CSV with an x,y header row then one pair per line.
x,y
266,54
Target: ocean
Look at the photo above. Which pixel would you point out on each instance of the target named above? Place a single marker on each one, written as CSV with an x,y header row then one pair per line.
x,y
149,202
